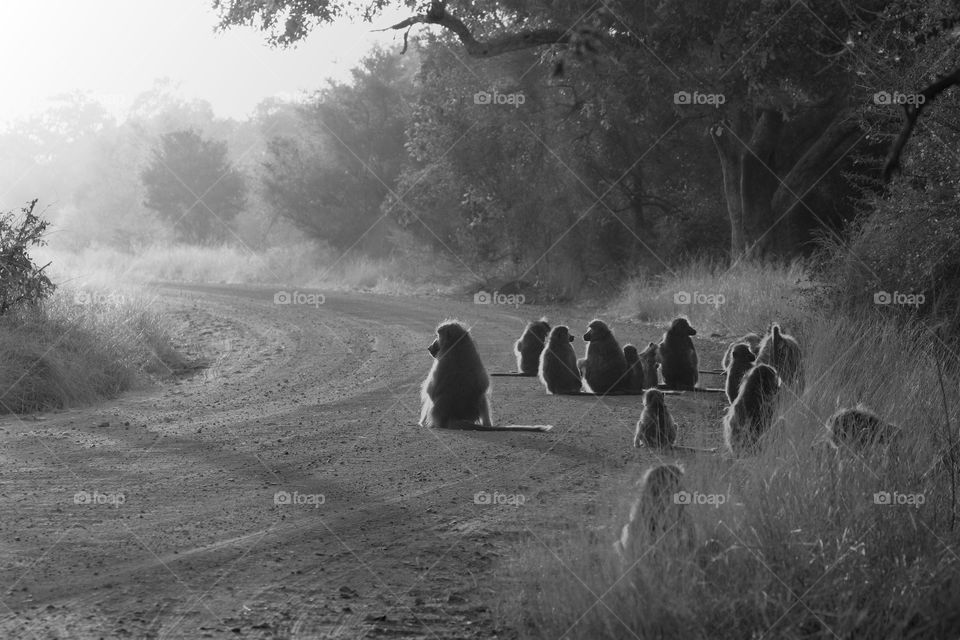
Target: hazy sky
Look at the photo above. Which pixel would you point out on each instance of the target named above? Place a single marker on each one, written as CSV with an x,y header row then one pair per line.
x,y
117,48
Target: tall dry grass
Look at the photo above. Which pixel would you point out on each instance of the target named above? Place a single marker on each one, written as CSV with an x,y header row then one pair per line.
x,y
803,545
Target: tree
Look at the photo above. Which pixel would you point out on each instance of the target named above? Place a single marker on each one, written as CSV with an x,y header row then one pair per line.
x,y
790,75
193,186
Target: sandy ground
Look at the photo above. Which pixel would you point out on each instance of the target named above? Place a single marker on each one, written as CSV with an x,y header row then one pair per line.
x,y
156,515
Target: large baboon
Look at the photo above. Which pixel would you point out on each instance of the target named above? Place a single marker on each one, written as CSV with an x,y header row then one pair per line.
x,y
455,393
634,369
655,427
678,357
741,361
782,352
858,427
530,345
750,415
604,369
657,516
648,363
751,339
558,363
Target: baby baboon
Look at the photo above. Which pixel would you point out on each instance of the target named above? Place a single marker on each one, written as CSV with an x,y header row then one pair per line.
x,y
678,358
858,427
558,363
655,427
634,369
658,511
750,415
740,362
604,369
648,362
530,346
455,393
782,352
751,339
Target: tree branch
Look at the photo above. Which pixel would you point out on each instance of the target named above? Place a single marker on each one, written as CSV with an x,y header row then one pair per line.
x,y
911,113
438,15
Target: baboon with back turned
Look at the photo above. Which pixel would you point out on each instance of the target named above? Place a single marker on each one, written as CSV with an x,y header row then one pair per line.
x,y
678,357
558,363
455,393
634,369
530,345
604,369
655,428
750,415
741,361
782,352
658,515
648,363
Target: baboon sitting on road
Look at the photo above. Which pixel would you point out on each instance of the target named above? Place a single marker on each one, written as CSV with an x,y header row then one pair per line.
x,y
678,357
604,369
530,345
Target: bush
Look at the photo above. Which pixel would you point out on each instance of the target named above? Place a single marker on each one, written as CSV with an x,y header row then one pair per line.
x,y
21,281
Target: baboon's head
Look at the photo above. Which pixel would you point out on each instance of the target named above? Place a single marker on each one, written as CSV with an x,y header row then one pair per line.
x,y
559,335
630,353
775,330
743,353
597,330
650,353
767,380
450,335
540,328
681,327
652,398
662,482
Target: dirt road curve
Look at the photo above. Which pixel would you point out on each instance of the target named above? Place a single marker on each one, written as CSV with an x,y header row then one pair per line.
x,y
177,533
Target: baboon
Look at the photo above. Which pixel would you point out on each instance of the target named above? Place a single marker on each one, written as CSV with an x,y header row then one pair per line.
x,y
741,361
455,393
858,427
750,415
558,363
657,511
648,363
530,345
782,352
751,339
678,358
634,369
604,369
655,427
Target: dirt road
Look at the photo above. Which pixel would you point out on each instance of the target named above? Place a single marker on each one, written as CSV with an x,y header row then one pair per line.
x,y
157,515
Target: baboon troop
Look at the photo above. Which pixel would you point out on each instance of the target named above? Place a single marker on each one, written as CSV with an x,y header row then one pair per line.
x,y
648,363
751,413
678,357
558,363
604,369
741,360
657,512
634,369
782,352
530,346
857,428
456,388
655,427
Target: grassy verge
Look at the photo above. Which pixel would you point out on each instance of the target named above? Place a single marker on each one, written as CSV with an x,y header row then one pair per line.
x,y
803,543
75,350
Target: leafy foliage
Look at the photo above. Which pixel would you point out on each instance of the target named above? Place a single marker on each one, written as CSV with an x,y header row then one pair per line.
x,y
191,184
22,282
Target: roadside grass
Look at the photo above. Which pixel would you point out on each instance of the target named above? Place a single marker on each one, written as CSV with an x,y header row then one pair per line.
x,y
305,264
721,300
803,545
80,347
